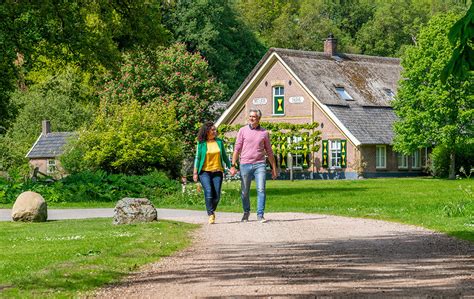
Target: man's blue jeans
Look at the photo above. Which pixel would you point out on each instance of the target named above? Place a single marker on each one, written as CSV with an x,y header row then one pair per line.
x,y
211,183
247,173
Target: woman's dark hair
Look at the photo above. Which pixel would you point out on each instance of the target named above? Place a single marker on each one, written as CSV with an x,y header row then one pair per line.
x,y
205,128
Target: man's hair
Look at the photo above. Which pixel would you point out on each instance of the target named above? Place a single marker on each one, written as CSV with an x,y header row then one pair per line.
x,y
259,113
205,128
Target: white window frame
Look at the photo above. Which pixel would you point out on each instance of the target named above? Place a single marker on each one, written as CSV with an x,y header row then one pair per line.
x,y
296,157
424,161
416,159
278,91
51,166
402,161
343,94
335,153
382,148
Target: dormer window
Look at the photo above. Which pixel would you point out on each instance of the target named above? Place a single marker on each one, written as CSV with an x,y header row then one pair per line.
x,y
389,93
343,94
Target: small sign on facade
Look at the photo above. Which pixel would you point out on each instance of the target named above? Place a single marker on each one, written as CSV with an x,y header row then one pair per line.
x,y
259,101
296,100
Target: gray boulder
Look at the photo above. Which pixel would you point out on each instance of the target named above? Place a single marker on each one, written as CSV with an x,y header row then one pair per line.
x,y
30,206
134,210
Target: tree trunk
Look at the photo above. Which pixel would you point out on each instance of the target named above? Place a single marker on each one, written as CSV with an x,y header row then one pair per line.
x,y
452,160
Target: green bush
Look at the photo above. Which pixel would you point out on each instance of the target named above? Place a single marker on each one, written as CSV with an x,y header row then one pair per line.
x,y
93,186
128,138
439,165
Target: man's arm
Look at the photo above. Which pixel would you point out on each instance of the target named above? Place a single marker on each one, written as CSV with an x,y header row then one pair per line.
x,y
236,154
271,157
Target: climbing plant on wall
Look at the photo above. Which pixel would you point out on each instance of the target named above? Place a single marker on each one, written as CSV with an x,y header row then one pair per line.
x,y
297,139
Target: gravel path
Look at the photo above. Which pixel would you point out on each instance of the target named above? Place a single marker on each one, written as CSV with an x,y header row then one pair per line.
x,y
304,255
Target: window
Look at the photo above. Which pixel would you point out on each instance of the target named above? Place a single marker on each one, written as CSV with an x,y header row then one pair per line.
x,y
278,100
343,94
380,156
334,153
402,161
416,159
297,158
335,148
389,93
425,158
51,168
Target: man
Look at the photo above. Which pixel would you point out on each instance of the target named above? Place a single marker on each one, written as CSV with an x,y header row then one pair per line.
x,y
253,142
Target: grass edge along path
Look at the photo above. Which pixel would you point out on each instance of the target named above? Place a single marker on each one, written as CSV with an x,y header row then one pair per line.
x,y
436,204
67,258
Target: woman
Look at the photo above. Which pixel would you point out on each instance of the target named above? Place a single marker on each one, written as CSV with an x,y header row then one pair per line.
x,y
209,166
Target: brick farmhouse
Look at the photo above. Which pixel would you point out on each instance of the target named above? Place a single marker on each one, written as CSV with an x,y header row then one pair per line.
x,y
348,95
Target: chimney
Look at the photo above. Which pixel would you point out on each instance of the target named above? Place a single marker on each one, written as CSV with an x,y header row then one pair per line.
x,y
46,127
330,45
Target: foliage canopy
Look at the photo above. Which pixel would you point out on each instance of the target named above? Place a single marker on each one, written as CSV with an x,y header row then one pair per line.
x,y
430,111
127,138
65,100
170,76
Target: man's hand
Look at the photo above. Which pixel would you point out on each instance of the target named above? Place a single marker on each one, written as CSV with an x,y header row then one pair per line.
x,y
233,171
274,173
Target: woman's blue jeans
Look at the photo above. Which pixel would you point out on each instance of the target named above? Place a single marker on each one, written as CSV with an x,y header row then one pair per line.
x,y
247,173
211,184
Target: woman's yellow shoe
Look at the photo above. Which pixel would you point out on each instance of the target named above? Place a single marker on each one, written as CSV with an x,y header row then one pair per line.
x,y
212,219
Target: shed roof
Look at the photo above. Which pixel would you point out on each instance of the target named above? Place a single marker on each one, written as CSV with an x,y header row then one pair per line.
x,y
49,145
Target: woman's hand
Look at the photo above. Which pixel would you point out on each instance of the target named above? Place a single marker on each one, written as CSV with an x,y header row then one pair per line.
x,y
195,177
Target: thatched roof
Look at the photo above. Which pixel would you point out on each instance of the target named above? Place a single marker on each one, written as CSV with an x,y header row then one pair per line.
x,y
365,78
371,81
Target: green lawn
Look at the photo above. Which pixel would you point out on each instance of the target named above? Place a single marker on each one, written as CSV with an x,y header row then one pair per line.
x,y
68,258
431,203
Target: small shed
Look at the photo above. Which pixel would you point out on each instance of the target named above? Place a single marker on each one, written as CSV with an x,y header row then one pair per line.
x,y
44,153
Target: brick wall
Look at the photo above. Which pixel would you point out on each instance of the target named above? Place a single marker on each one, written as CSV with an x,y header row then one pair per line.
x,y
42,165
306,112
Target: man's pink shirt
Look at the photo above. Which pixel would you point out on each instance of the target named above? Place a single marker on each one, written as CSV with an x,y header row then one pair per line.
x,y
253,144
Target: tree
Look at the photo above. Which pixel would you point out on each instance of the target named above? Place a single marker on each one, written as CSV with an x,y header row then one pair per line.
x,y
88,34
211,27
170,76
261,16
431,112
461,34
318,19
128,138
304,24
395,23
65,100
